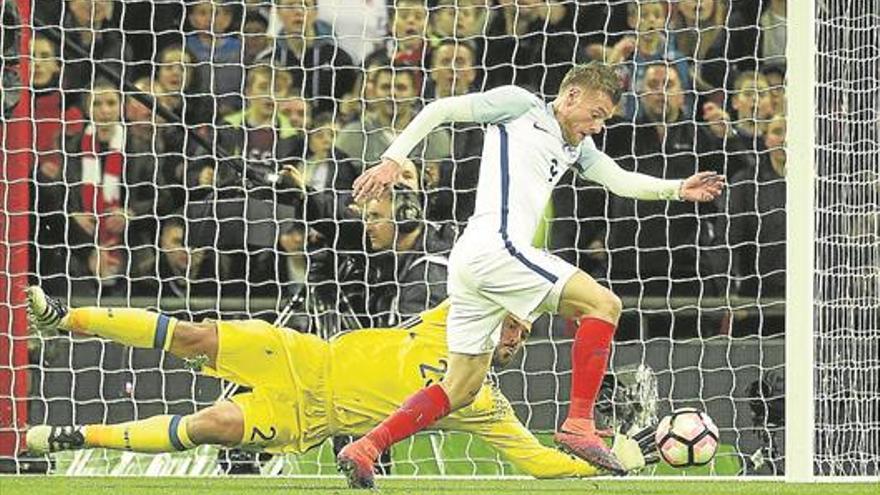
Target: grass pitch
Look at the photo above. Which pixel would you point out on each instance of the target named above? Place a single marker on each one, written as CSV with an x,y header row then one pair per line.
x,y
58,485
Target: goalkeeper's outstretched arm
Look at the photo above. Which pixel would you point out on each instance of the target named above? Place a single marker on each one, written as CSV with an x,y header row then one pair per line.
x,y
521,448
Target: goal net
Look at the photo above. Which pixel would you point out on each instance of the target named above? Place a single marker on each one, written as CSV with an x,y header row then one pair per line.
x,y
847,378
142,169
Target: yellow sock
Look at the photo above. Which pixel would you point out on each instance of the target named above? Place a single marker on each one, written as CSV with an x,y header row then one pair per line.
x,y
131,327
163,433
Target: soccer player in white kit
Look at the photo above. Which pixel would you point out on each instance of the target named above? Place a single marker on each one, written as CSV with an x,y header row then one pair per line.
x,y
494,269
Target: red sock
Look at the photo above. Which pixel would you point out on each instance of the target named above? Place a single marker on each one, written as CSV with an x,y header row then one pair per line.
x,y
589,358
416,414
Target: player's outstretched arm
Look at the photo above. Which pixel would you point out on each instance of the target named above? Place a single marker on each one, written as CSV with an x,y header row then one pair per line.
x,y
520,447
497,105
491,418
700,187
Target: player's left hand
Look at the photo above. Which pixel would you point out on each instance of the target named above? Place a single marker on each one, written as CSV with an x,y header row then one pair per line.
x,y
375,181
702,187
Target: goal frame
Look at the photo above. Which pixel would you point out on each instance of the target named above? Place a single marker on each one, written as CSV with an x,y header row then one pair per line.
x,y
800,205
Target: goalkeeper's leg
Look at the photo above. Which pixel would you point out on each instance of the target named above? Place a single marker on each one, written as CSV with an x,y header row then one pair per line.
x,y
128,326
220,424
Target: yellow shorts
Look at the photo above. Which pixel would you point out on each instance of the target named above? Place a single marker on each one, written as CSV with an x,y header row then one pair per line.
x,y
285,410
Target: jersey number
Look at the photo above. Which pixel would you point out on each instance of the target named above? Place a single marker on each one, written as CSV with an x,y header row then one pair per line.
x,y
554,169
264,437
424,369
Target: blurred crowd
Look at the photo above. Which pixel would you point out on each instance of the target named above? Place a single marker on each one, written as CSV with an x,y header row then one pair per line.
x,y
279,105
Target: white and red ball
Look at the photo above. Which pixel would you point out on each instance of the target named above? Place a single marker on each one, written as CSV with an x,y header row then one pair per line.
x,y
687,437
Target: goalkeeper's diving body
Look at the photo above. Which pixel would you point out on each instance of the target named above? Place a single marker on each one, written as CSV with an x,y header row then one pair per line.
x,y
303,389
494,270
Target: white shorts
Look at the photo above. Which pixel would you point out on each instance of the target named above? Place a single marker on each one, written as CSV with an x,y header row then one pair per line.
x,y
488,279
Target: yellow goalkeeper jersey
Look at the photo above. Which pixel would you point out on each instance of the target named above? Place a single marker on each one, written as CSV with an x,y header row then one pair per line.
x,y
372,372
305,389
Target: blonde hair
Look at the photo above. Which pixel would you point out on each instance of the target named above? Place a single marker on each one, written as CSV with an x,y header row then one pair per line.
x,y
747,77
594,76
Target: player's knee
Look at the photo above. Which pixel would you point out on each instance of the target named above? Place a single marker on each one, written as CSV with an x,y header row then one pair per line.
x,y
217,425
609,306
602,304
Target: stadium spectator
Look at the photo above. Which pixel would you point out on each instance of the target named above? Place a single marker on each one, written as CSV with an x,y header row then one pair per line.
x,y
352,106
96,205
297,109
605,33
90,25
757,219
391,103
323,72
322,180
183,272
409,30
154,152
453,73
293,266
456,20
217,53
776,82
324,167
145,194
452,68
715,38
337,247
263,137
752,106
173,88
54,123
654,247
724,139
772,23
260,132
530,43
471,20
648,19
176,85
407,274
359,26
442,21
255,37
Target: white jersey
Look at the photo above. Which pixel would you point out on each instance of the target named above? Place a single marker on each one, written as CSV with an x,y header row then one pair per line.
x,y
523,160
524,156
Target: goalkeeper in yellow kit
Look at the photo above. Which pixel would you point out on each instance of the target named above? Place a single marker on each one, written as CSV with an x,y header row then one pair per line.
x,y
304,389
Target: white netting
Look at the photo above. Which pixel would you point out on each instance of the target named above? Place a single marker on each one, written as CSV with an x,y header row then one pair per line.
x,y
702,286
847,223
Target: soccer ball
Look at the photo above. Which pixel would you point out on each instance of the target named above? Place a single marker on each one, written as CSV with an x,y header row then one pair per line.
x,y
687,437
